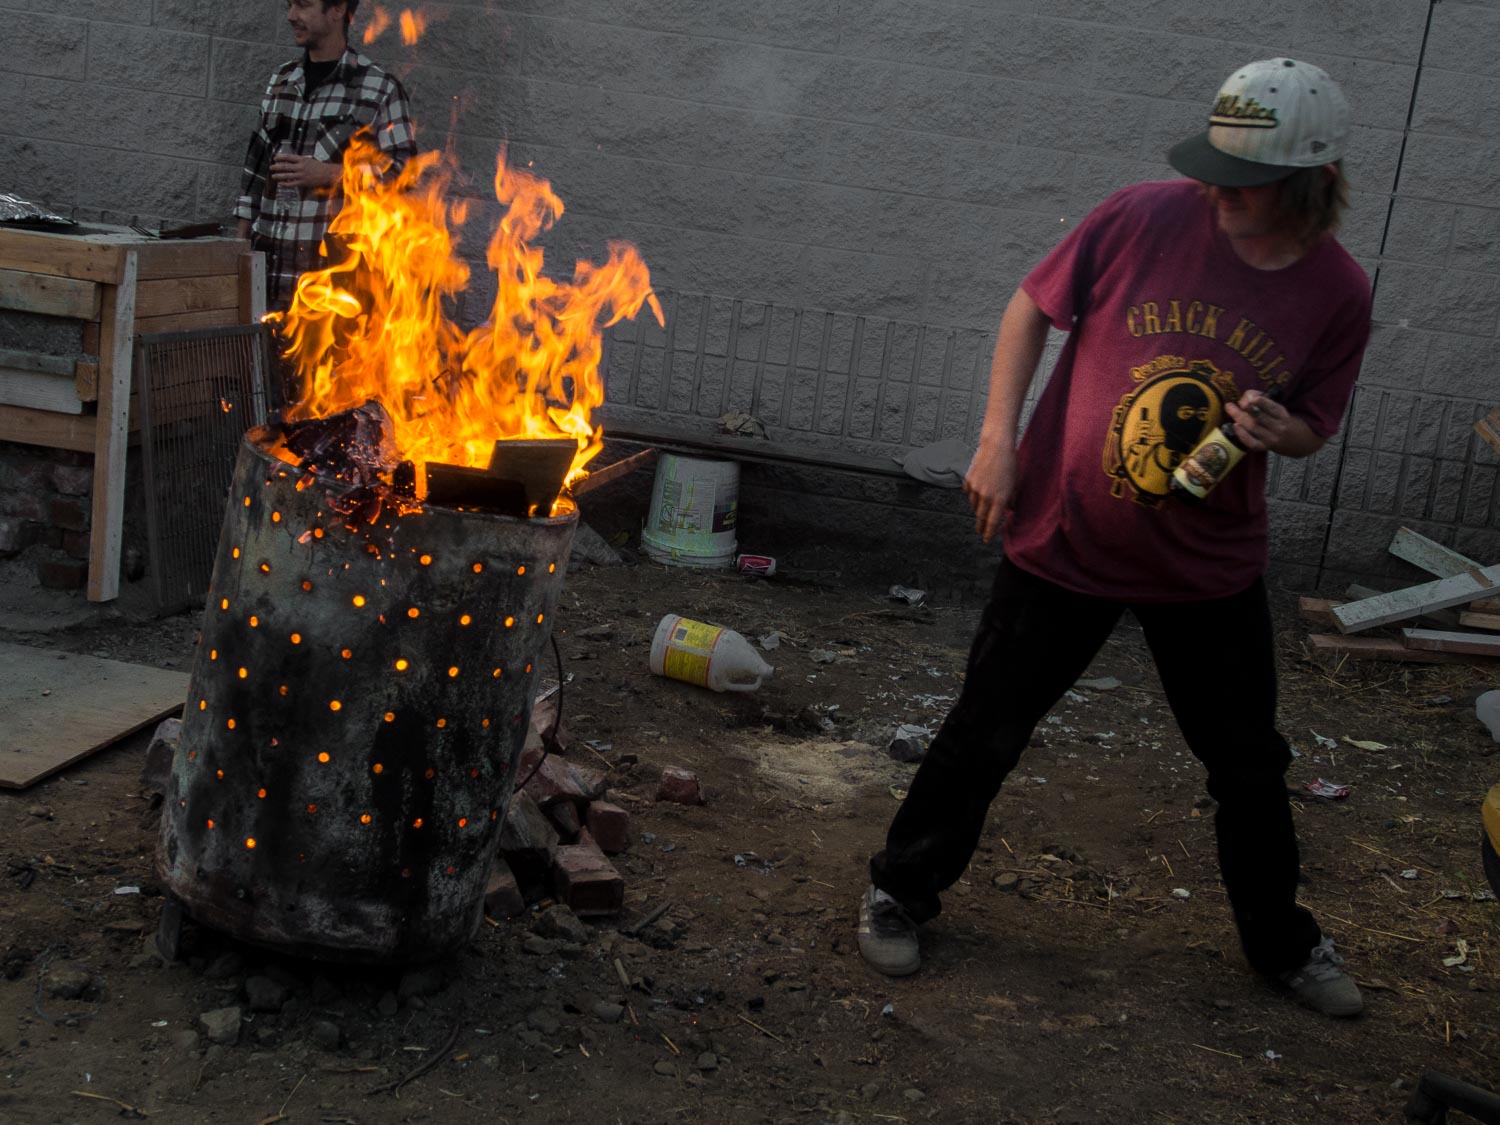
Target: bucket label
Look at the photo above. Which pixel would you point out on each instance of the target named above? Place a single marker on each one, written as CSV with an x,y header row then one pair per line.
x,y
726,513
686,515
688,652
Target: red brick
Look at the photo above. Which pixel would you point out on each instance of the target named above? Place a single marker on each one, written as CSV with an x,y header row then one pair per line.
x,y
62,574
680,786
73,480
25,506
564,817
76,543
558,779
502,897
586,881
70,515
610,825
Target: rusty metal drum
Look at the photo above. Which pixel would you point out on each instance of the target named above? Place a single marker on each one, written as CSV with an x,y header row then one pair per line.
x,y
358,700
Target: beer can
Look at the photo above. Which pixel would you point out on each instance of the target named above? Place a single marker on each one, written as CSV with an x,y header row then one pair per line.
x,y
762,566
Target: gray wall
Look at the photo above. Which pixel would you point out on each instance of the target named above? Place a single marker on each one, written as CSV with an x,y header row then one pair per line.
x,y
896,161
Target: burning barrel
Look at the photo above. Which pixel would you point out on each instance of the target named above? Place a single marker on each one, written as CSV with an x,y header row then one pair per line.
x,y
359,699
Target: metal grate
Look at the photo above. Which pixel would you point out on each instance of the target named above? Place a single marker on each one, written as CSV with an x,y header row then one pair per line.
x,y
198,392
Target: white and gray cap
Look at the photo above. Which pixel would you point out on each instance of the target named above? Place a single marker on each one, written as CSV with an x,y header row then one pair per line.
x,y
1269,119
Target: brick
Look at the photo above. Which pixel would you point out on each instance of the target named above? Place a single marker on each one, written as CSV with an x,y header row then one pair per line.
x,y
73,480
1438,299
15,536
76,544
1463,36
68,514
62,574
253,22
586,881
558,779
24,505
609,825
564,817
502,895
679,786
239,71
527,841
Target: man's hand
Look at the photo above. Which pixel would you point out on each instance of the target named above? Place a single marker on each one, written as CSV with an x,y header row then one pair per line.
x,y
304,172
1260,422
989,485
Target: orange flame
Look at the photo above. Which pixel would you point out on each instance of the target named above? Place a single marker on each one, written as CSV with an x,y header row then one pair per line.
x,y
372,324
412,26
379,21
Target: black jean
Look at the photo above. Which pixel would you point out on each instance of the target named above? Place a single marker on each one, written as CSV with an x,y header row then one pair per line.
x,y
1217,665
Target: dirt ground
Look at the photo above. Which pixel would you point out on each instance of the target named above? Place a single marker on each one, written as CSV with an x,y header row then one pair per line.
x,y
1085,970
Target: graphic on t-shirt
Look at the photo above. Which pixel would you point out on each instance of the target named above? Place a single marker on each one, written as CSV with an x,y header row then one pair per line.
x,y
1175,405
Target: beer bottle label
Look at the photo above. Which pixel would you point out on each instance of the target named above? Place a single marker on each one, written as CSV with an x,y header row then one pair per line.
x,y
1207,465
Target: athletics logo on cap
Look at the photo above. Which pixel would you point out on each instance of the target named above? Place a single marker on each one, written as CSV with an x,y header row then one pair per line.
x,y
1269,119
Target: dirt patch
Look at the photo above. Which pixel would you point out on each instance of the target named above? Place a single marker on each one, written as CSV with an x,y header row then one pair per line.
x,y
1065,981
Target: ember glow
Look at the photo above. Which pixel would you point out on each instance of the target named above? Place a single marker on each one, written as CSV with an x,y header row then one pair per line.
x,y
373,323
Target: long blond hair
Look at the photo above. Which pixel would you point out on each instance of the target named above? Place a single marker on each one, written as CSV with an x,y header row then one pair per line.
x,y
1312,200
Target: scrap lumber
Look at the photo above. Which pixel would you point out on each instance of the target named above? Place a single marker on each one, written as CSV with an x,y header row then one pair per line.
x,y
1479,620
1447,618
1398,605
1436,640
1432,557
1379,648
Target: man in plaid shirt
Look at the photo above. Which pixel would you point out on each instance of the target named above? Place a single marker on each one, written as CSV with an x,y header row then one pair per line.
x,y
313,106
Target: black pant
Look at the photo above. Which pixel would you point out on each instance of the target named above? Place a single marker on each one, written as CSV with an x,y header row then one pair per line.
x,y
1217,665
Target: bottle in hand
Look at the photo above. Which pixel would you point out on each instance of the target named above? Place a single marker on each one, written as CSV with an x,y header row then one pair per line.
x,y
1209,463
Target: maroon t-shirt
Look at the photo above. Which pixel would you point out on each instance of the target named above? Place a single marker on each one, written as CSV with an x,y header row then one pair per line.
x,y
1166,323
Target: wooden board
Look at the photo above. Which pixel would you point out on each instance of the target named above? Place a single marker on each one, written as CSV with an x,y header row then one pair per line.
x,y
1401,604
1432,557
43,427
167,296
1435,640
1379,648
60,255
89,704
1480,620
49,295
40,390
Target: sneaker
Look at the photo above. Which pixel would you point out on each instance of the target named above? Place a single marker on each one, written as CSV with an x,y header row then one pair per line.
x,y
1322,985
887,935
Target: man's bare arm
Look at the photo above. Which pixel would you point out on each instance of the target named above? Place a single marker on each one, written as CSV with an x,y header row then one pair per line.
x,y
991,480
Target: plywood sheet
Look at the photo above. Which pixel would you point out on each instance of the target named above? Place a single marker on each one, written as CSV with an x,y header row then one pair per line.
x,y
56,708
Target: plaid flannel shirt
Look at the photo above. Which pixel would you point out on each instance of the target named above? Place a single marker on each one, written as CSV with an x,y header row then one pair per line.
x,y
356,95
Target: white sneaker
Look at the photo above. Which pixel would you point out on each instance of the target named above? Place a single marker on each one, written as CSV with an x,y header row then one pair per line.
x,y
887,935
1322,984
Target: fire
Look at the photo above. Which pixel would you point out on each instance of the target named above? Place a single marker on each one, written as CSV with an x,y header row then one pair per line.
x,y
373,323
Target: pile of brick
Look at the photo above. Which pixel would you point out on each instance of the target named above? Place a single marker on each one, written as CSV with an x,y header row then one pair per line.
x,y
560,832
45,509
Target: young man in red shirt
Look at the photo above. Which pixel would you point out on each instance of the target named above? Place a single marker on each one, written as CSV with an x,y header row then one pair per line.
x,y
1221,297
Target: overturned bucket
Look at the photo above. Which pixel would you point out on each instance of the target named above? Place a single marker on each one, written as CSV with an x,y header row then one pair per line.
x,y
694,509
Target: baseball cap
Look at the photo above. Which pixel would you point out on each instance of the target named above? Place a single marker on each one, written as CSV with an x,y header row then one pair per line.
x,y
1269,119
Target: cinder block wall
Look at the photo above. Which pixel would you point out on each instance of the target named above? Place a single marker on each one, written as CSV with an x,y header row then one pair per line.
x,y
904,159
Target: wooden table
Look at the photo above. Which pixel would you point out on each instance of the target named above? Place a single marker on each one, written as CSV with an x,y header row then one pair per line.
x,y
120,284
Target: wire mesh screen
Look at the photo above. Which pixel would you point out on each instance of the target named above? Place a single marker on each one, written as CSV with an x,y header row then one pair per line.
x,y
197,393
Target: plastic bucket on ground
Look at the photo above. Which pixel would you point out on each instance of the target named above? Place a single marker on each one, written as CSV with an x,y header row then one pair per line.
x,y
694,507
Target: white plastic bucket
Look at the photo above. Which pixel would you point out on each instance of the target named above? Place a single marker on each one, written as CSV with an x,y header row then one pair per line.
x,y
694,507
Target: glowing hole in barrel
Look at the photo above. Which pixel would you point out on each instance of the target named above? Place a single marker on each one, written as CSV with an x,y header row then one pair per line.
x,y
473,773
306,585
377,768
250,842
390,716
430,773
282,689
192,755
448,870
425,560
364,818
210,822
223,603
323,756
235,553
528,669
453,672
219,774
402,664
346,653
247,501
520,570
496,673
254,622
213,654
261,793
230,724
244,673
509,621
539,618
312,809
413,612
465,619
275,517
463,822
494,814
296,638
417,823
359,599
484,722
265,568
442,723
203,705
335,705
551,568
478,567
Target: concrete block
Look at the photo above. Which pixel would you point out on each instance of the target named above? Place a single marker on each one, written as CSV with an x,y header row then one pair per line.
x,y
804,25
240,72
1451,169
1476,240
911,34
1457,367
1128,62
50,335
679,786
148,58
1009,176
1026,48
609,825
1388,30
1438,299
48,45
586,881
256,23
111,178
502,895
1463,37
1080,121
1419,231
1379,93
879,284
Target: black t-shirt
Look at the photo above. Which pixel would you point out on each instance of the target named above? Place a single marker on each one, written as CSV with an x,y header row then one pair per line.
x,y
316,72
